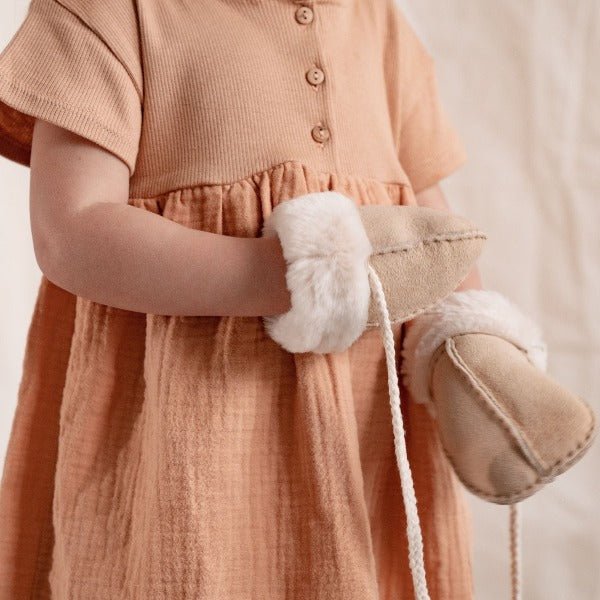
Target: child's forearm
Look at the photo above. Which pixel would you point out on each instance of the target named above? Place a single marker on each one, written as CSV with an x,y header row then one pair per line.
x,y
119,255
433,197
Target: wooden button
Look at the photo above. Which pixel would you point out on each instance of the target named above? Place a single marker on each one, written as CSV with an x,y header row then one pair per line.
x,y
315,76
304,15
320,133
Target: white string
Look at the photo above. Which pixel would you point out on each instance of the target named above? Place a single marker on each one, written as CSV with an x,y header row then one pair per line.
x,y
413,527
515,551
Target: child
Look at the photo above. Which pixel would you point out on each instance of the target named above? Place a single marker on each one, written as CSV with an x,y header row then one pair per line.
x,y
163,448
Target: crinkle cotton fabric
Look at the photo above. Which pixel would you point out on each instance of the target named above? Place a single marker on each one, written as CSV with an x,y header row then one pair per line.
x,y
165,456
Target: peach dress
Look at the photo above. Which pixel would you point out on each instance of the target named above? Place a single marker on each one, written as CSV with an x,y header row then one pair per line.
x,y
175,457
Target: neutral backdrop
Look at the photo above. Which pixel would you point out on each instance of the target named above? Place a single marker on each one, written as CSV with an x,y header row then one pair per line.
x,y
520,79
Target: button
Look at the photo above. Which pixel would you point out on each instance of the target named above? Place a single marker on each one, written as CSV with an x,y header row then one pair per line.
x,y
315,76
304,15
320,133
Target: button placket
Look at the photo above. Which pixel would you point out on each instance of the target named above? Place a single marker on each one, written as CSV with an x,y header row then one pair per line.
x,y
314,76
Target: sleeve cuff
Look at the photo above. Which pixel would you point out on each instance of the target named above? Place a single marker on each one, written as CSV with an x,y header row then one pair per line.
x,y
23,106
438,166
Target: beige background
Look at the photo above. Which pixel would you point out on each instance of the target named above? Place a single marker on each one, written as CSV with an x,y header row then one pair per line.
x,y
520,81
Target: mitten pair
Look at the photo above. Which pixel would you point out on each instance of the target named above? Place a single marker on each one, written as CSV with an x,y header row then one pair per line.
x,y
472,357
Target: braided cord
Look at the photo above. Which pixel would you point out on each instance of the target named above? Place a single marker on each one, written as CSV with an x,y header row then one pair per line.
x,y
413,527
515,551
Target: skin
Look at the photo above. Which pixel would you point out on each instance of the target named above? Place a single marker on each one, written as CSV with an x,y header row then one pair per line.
x,y
89,241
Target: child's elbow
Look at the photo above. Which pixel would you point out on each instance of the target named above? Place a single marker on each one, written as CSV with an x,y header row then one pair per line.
x,y
48,254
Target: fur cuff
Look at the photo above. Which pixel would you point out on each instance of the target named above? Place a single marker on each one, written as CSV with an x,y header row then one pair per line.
x,y
327,251
467,311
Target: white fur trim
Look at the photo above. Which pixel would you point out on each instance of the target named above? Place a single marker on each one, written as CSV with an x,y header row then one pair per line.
x,y
466,311
327,251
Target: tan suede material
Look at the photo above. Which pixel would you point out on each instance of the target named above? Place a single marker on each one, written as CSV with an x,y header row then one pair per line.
x,y
555,421
507,427
471,437
413,243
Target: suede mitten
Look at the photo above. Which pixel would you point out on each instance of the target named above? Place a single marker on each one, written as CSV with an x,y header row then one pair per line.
x,y
330,244
506,426
420,255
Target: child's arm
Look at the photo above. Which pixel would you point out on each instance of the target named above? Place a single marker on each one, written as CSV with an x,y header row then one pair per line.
x,y
89,241
433,197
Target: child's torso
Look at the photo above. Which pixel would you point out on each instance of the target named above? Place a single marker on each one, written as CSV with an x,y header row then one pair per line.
x,y
233,87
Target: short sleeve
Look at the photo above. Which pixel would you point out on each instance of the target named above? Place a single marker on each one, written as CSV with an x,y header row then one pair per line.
x,y
74,63
429,145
